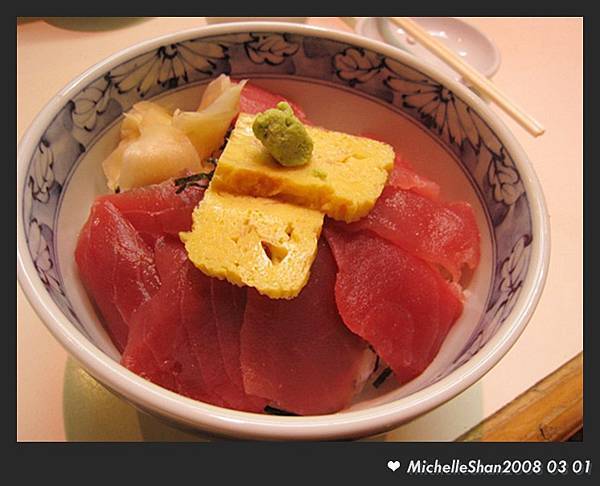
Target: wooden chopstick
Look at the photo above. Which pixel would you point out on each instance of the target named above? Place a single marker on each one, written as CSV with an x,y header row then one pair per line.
x,y
471,75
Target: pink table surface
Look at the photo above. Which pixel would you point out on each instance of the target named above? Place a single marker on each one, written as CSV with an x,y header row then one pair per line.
x,y
542,69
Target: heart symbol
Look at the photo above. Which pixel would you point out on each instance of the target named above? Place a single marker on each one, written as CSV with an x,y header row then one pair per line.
x,y
393,465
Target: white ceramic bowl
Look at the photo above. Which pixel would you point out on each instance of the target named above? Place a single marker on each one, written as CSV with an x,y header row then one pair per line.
x,y
343,82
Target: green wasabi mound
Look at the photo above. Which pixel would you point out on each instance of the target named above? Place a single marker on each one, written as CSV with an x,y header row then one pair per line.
x,y
283,135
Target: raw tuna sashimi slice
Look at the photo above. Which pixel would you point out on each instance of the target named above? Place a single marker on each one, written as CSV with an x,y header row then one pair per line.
x,y
174,340
160,346
404,176
451,302
396,302
117,268
256,100
441,233
229,304
297,353
158,209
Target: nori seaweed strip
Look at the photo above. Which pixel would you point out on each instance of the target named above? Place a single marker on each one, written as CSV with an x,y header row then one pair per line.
x,y
376,364
227,135
183,182
277,411
193,177
382,377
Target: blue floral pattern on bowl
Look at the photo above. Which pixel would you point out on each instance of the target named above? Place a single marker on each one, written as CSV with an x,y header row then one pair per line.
x,y
487,161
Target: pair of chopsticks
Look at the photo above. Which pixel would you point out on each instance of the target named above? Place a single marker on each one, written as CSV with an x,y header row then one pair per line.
x,y
469,74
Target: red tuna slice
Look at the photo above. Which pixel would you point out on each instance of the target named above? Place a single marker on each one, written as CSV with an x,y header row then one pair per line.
x,y
160,346
158,209
395,301
174,340
441,233
297,353
451,299
255,100
117,268
229,304
404,176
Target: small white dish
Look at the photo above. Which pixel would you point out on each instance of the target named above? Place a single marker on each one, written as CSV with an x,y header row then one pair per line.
x,y
470,43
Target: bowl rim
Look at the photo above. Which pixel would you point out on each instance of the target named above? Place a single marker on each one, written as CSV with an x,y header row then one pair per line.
x,y
213,419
